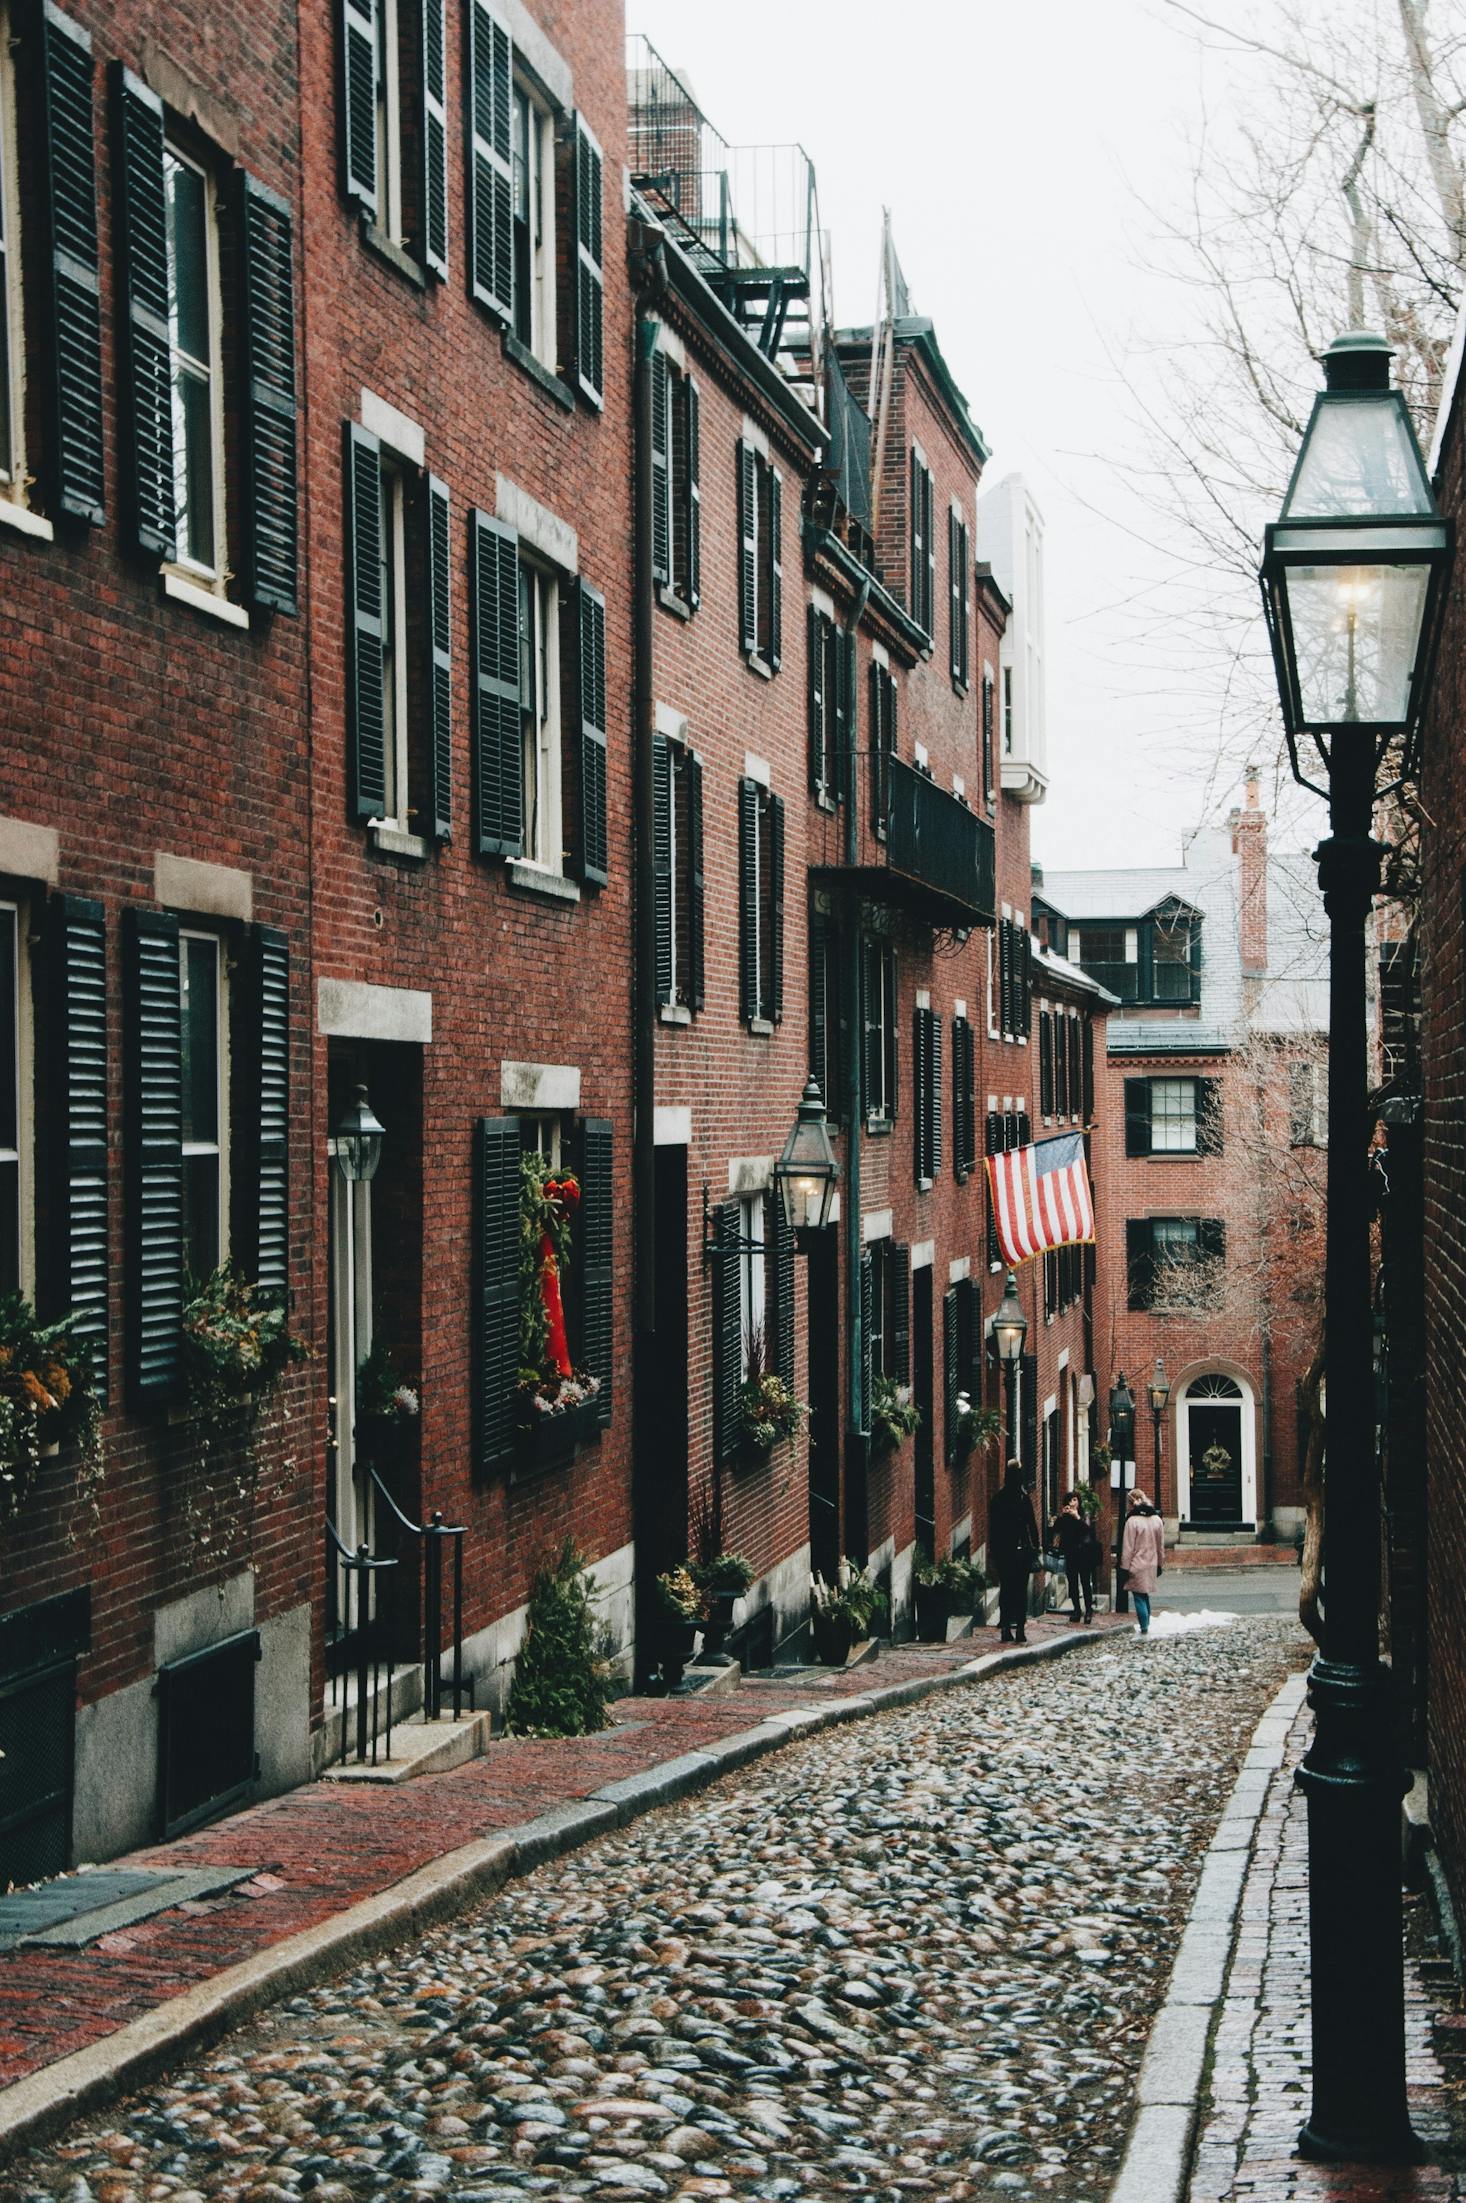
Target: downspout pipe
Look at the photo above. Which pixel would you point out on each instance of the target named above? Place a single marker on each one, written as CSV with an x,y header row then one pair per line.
x,y
649,273
854,1243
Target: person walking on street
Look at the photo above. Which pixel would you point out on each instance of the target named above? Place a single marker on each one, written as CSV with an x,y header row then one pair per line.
x,y
1067,1534
1142,1555
1013,1547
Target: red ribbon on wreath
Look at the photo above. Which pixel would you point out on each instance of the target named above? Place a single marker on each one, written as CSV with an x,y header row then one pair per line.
x,y
562,1193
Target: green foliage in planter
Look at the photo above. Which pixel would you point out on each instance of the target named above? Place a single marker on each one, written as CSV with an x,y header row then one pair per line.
x,y
678,1596
853,1599
381,1394
48,1395
894,1415
237,1345
560,1679
770,1411
975,1426
1089,1502
724,1573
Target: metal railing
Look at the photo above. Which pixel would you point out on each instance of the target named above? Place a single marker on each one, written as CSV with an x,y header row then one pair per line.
x,y
362,1609
932,838
433,1536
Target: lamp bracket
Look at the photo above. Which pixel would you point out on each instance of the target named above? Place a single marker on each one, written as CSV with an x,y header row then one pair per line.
x,y
716,1242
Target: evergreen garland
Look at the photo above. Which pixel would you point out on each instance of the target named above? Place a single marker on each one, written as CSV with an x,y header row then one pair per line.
x,y
559,1684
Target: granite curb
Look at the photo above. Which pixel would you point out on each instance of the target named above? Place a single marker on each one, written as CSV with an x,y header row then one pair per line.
x,y
42,2103
1157,2161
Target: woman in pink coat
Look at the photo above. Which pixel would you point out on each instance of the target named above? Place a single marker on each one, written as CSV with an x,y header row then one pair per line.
x,y
1142,1555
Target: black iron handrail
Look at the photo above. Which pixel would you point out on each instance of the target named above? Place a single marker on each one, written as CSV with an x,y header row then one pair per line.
x,y
358,1568
432,1535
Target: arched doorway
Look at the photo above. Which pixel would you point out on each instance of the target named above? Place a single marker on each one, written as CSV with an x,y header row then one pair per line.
x,y
1216,1454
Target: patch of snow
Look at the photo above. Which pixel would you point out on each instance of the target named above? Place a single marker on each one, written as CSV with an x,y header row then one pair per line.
x,y
1175,1625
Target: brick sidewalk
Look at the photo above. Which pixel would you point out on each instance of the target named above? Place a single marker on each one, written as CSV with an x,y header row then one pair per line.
x,y
1258,2096
320,1850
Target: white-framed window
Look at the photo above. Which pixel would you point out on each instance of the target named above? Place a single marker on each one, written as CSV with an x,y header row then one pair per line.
x,y
204,1063
879,1037
393,541
1173,1116
534,226
389,123
17,1239
195,320
543,1135
12,356
539,711
1007,711
752,1279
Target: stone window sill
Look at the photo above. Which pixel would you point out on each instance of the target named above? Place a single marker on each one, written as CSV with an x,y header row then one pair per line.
x,y
25,522
675,1013
758,665
517,350
391,840
392,254
202,599
878,1127
762,1028
553,887
669,600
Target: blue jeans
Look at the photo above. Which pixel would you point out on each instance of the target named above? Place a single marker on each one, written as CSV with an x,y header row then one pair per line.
x,y
1140,1600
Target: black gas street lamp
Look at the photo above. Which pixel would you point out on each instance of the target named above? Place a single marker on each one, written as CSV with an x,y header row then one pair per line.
x,y
806,1171
1010,1329
1160,1392
1353,579
1122,1457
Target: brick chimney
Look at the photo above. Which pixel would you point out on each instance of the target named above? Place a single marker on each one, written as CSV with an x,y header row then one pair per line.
x,y
1249,846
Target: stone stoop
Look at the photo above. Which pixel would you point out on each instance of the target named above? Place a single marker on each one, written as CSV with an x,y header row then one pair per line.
x,y
420,1747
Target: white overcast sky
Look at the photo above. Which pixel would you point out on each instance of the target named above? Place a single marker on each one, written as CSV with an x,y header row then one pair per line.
x,y
1018,147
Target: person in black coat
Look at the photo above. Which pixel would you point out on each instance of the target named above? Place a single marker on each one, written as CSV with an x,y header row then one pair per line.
x,y
1071,1535
1013,1548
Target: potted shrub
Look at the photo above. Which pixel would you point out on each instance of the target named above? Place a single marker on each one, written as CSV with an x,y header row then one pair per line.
x,y
386,1407
894,1415
679,1604
974,1426
930,1598
48,1397
722,1581
843,1612
770,1411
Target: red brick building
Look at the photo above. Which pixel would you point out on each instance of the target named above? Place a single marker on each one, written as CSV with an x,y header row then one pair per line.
x,y
1209,1162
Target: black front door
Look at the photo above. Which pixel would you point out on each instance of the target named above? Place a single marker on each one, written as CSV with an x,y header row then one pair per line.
x,y
922,1400
824,1405
1216,1461
659,1473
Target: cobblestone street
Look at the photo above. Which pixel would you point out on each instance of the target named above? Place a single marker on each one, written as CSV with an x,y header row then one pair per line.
x,y
916,1956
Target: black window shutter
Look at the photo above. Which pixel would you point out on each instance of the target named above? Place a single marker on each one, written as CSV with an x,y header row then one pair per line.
x,y
888,1024
845,772
590,282
819,1031
1005,975
929,525
593,842
969,1340
934,1097
147,380
898,1348
877,763
1028,1418
74,442
154,1277
1045,1064
496,1298
434,137
366,732
819,770
964,607
749,1005
73,1251
1024,946
867,1310
498,766
692,401
954,569
949,1374
439,569
662,862
259,1232
1061,1063
783,1253
1022,1129
870,1023
1137,1116
661,472
747,547
695,958
268,393
727,1330
776,568
595,1249
1196,959
1139,1262
969,1051
1088,1090
358,19
987,738
918,548
1211,1239
1208,1116
961,1100
776,908
921,1072
490,175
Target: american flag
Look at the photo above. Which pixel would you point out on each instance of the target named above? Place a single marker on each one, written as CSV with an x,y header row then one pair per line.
x,y
1041,1197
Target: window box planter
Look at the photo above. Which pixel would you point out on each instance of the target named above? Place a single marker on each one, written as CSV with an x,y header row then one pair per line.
x,y
833,1636
551,1440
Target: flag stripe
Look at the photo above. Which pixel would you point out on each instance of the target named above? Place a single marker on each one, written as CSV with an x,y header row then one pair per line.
x,y
1041,1197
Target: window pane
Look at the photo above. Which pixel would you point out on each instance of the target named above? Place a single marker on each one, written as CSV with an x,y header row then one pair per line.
x,y
1171,952
193,465
188,263
1173,1116
201,1214
1174,1238
199,968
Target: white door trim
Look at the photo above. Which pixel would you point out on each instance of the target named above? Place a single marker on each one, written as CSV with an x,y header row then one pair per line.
x,y
1248,1404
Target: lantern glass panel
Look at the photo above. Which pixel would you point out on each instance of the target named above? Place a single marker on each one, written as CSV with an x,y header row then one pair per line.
x,y
1359,462
1356,635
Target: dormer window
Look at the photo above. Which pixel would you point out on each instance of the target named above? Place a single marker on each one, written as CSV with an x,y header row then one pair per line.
x,y
1154,961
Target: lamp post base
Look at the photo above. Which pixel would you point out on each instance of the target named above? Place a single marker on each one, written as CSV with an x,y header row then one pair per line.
x,y
1353,1780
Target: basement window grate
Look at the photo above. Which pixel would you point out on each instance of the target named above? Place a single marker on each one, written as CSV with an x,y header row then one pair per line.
x,y
207,1761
